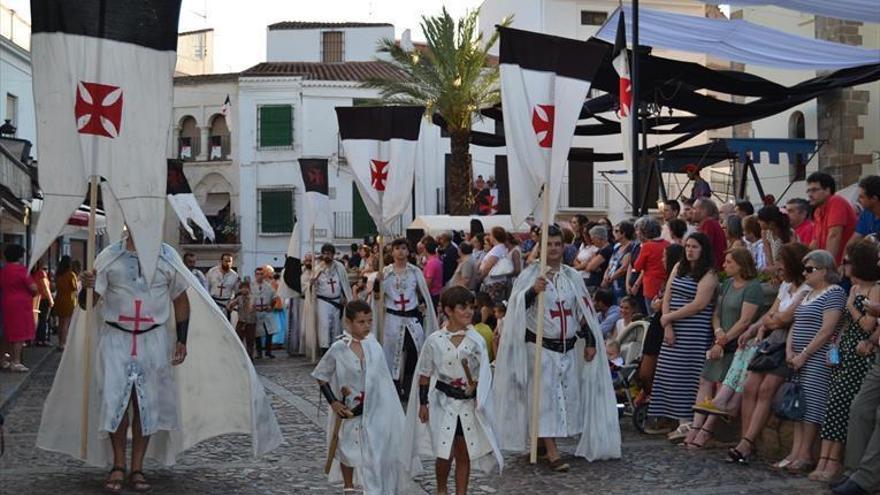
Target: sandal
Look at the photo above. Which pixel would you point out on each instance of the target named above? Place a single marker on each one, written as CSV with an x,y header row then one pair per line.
x,y
140,484
559,465
738,457
779,466
679,433
694,445
800,467
115,485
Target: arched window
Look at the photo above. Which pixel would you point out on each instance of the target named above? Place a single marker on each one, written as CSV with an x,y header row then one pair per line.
x,y
188,140
797,167
218,139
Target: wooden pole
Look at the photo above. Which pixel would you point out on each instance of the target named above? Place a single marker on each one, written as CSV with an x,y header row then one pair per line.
x,y
539,333
380,323
90,298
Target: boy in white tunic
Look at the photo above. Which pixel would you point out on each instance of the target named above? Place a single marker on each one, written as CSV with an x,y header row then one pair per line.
x,y
452,400
409,314
357,385
263,297
575,389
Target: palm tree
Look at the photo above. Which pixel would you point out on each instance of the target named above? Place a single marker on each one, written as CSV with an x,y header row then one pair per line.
x,y
452,77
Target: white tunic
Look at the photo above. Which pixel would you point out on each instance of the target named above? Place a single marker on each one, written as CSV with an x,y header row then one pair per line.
x,y
442,360
264,297
222,286
561,414
401,293
141,362
328,285
341,367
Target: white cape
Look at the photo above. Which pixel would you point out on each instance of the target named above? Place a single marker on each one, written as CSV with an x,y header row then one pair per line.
x,y
217,372
601,434
417,441
429,323
309,315
382,430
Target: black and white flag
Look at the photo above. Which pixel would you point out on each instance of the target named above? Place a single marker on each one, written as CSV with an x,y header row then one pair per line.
x,y
183,201
102,74
544,82
380,147
620,61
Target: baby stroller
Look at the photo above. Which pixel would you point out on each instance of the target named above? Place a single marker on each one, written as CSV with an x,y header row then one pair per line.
x,y
626,388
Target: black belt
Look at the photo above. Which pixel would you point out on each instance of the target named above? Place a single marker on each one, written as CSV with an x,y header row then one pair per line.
x,y
453,392
412,313
556,345
334,302
140,331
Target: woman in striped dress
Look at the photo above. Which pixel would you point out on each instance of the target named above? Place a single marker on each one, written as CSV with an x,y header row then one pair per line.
x,y
815,323
688,303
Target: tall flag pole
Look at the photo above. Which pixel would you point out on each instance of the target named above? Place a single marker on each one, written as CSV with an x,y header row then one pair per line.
x,y
544,81
620,61
102,76
636,159
316,211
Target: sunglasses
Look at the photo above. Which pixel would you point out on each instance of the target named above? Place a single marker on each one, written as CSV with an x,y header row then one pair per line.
x,y
810,269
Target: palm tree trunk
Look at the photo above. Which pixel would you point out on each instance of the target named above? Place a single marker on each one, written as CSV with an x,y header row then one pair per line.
x,y
460,180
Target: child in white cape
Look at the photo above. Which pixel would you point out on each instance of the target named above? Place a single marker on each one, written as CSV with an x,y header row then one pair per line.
x,y
355,380
449,415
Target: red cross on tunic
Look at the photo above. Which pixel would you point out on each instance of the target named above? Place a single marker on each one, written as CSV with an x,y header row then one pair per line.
x,y
137,319
220,296
332,283
562,313
360,398
402,302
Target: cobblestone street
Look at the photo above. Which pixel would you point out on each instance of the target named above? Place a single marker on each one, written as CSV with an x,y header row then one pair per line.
x,y
223,465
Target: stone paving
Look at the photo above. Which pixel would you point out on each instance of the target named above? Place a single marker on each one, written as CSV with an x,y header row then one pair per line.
x,y
224,466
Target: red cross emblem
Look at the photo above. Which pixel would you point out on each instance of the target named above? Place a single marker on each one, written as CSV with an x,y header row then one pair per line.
x,y
458,383
626,97
542,122
98,109
562,313
332,282
137,319
360,398
378,174
401,302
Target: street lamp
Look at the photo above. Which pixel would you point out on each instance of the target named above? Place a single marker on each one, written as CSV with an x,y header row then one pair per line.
x,y
7,129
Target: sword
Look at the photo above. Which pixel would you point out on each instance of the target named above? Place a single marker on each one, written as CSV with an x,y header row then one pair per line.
x,y
334,440
472,386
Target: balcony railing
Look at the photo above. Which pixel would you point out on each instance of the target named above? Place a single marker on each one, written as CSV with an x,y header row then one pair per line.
x,y
343,226
15,175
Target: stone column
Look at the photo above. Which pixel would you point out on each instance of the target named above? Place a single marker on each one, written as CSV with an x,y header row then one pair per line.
x,y
838,112
203,143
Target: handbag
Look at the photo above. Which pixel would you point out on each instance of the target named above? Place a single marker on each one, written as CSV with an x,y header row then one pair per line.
x,y
770,353
502,268
789,401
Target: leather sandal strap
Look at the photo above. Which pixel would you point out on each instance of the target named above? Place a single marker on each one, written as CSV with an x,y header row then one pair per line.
x,y
117,469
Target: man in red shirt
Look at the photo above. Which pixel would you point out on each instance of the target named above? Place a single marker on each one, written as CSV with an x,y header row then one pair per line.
x,y
798,210
705,213
834,219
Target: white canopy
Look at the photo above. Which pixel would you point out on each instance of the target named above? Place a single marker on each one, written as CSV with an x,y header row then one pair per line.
x,y
434,224
854,10
739,41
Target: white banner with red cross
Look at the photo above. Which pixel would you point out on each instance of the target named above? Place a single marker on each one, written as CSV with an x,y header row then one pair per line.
x,y
544,83
380,148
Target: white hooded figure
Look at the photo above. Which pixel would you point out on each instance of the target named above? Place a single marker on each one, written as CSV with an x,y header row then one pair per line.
x,y
361,395
326,293
403,290
576,394
128,352
450,411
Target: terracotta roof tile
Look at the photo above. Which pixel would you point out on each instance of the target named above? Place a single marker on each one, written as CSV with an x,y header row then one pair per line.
x,y
318,71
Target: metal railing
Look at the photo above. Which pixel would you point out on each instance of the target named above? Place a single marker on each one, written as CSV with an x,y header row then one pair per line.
x,y
15,176
343,226
602,194
226,231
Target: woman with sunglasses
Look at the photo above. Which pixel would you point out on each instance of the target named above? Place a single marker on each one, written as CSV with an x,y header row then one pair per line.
x,y
816,321
856,355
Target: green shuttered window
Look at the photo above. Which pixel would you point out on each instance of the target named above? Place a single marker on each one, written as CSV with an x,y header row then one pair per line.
x,y
276,125
276,211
